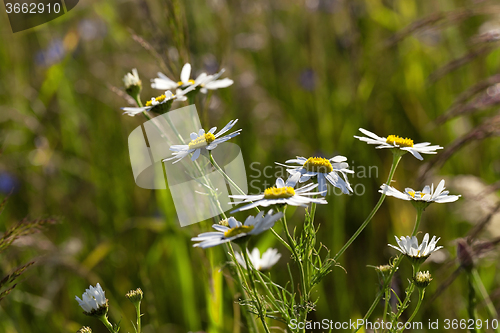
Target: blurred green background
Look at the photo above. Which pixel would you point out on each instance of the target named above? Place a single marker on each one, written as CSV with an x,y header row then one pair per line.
x,y
307,75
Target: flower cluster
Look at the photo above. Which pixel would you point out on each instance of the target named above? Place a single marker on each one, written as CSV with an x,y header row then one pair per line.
x,y
306,186
181,89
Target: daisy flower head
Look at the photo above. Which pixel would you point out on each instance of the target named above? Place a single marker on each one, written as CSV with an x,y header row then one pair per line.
x,y
322,168
206,82
160,104
421,199
163,82
410,248
268,260
93,301
202,142
281,194
132,83
398,144
232,230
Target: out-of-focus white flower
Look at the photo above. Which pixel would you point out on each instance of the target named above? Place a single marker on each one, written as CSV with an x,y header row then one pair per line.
x,y
235,230
131,79
93,301
322,168
268,260
281,194
202,142
394,141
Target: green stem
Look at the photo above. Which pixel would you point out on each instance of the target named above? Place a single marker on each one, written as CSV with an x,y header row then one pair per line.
x,y
471,306
226,177
138,310
395,160
241,279
381,292
254,289
387,283
421,293
387,299
137,99
417,222
403,306
105,321
304,298
489,305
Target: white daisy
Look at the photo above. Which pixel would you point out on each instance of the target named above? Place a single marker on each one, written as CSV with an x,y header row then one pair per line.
x,y
202,142
232,230
268,260
160,104
281,194
427,195
131,79
394,141
93,300
409,247
165,83
321,167
206,82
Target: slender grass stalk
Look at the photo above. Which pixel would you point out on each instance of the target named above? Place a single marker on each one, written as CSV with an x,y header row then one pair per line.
x,y
295,253
226,177
396,157
471,305
241,279
254,289
484,294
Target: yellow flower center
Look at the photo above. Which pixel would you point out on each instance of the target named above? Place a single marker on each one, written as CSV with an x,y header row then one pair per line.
x,y
244,229
412,193
189,81
202,141
394,139
318,164
279,193
159,99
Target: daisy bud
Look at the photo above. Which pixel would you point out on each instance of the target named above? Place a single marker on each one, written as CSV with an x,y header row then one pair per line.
x,y
133,84
135,296
464,255
224,223
93,302
384,268
84,329
422,279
